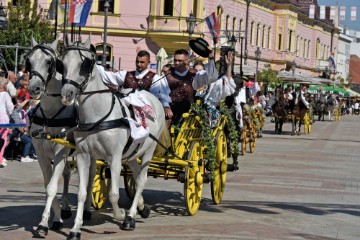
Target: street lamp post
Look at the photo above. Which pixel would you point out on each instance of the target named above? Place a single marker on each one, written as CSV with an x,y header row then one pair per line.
x,y
233,41
191,22
241,56
257,58
106,8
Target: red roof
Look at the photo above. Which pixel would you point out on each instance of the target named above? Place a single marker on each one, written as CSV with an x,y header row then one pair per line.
x,y
355,69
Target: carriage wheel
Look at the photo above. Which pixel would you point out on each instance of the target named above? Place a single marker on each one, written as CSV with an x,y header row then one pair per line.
x,y
194,184
218,184
243,142
101,188
130,185
252,143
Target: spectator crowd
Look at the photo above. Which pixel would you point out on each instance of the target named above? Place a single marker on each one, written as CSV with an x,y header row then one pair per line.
x,y
15,106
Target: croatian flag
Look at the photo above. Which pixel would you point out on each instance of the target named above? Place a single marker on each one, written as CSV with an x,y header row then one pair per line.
x,y
332,62
213,24
79,11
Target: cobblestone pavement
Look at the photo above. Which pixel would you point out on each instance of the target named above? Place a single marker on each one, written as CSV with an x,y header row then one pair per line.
x,y
292,187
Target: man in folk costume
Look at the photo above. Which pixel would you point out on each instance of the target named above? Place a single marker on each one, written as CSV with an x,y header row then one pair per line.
x,y
183,82
141,79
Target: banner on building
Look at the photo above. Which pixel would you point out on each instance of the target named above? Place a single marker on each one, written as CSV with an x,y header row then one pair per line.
x,y
312,11
342,13
333,12
213,23
353,13
322,12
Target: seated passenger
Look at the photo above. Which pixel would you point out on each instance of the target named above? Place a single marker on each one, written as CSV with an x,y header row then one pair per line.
x,y
223,87
183,82
142,79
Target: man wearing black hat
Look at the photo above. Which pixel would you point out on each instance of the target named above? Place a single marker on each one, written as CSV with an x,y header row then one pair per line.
x,y
183,82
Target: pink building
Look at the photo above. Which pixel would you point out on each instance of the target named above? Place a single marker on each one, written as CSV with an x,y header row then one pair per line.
x,y
280,28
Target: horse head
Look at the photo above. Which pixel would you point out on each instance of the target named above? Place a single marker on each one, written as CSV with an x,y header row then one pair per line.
x,y
41,64
78,61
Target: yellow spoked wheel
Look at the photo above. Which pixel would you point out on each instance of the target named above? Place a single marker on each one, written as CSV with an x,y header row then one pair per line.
x,y
243,142
194,184
130,185
218,184
101,187
252,143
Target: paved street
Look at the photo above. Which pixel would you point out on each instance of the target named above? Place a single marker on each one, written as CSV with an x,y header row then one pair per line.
x,y
292,187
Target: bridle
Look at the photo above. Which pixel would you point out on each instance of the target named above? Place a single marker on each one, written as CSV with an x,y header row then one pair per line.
x,y
52,66
85,69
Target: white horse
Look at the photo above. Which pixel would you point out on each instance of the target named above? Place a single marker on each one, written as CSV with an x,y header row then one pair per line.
x,y
331,106
102,133
51,116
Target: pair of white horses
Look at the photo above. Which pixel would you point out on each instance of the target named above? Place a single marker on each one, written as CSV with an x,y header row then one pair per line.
x,y
81,84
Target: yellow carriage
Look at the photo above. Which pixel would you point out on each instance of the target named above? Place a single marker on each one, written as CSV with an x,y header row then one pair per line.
x,y
198,154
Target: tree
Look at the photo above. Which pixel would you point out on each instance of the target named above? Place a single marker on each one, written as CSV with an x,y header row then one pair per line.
x,y
269,78
26,20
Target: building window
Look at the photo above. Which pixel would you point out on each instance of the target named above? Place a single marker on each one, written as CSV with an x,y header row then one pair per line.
x,y
252,34
308,50
99,54
269,38
280,41
234,25
304,49
290,40
219,13
240,27
101,4
195,8
258,35
263,37
168,7
227,22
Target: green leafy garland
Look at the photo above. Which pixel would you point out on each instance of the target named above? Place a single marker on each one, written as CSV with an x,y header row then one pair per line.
x,y
234,135
208,139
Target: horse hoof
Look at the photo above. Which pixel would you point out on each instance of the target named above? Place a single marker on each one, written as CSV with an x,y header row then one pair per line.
x,y
42,230
128,223
74,236
298,134
56,226
66,214
87,215
292,134
145,213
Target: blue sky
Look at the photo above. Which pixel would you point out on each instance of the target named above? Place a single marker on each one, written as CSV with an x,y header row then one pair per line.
x,y
355,25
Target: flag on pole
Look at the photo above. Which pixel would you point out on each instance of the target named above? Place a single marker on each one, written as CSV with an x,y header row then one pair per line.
x,y
61,11
332,63
342,13
213,24
52,10
76,8
353,13
333,12
312,11
322,12
84,14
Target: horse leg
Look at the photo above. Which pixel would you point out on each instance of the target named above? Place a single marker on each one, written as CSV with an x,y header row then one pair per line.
x,y
87,207
46,168
298,131
293,125
83,164
65,208
129,223
281,122
276,125
115,168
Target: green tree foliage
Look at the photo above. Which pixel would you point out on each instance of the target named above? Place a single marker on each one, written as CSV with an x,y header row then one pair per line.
x,y
26,20
269,78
